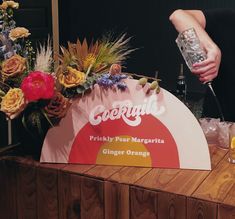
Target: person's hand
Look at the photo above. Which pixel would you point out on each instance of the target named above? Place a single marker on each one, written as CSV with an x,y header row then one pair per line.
x,y
208,69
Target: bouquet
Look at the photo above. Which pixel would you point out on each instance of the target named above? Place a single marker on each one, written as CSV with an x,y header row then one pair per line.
x,y
27,80
32,90
83,64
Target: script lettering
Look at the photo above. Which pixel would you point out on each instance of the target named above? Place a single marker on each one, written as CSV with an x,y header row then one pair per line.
x,y
130,113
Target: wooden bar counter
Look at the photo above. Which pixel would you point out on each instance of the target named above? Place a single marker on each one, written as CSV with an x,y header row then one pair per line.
x,y
29,189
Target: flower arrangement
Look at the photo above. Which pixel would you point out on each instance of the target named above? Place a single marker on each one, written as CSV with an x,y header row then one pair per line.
x,y
27,82
82,64
30,88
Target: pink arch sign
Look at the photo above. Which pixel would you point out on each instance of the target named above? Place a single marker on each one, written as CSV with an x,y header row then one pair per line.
x,y
131,128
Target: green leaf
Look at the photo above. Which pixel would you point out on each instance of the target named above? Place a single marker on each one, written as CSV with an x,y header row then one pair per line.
x,y
47,118
80,89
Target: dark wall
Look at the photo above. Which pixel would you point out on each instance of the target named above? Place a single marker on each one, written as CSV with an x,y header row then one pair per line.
x,y
147,21
36,16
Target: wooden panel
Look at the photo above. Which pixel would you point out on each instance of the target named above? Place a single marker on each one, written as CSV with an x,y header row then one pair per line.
x,y
218,184
77,168
171,206
92,198
103,172
116,200
69,195
230,198
8,189
201,209
75,191
186,182
143,203
183,182
226,211
55,166
157,178
216,154
47,199
26,191
129,174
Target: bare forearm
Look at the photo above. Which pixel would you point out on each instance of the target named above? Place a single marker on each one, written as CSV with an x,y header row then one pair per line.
x,y
185,19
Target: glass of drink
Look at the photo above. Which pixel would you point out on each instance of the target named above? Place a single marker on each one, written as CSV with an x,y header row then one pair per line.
x,y
231,157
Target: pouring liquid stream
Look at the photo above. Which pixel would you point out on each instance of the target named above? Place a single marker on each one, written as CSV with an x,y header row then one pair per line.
x,y
209,84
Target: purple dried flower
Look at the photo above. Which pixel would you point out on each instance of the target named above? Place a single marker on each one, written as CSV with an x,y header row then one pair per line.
x,y
107,80
121,85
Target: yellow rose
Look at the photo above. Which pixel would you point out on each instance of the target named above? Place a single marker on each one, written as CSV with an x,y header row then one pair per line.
x,y
72,78
4,6
13,103
12,4
18,32
13,66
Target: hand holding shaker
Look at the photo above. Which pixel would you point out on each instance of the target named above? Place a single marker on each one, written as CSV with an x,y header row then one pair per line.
x,y
190,48
192,52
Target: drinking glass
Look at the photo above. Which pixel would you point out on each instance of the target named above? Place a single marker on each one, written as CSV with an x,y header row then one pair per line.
x,y
223,129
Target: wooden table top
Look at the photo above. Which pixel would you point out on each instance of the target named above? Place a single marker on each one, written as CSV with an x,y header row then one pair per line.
x,y
215,187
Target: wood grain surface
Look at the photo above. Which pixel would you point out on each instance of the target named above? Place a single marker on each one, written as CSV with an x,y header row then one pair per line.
x,y
201,209
69,196
26,191
116,197
8,190
73,191
143,203
92,198
47,195
171,206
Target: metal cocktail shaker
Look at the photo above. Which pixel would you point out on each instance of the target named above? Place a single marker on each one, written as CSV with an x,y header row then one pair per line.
x,y
192,52
190,48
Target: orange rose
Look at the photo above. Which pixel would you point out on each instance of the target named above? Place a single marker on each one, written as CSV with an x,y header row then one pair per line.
x,y
13,66
57,107
4,6
13,103
115,69
72,78
12,4
18,32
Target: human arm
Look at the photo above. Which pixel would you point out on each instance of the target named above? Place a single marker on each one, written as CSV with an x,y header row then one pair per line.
x,y
208,69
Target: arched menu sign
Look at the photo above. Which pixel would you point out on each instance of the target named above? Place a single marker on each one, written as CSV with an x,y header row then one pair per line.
x,y
135,127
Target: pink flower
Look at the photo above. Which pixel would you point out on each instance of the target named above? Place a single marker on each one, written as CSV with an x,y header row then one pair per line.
x,y
38,85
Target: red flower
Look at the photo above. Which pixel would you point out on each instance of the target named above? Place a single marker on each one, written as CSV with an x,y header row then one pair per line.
x,y
38,85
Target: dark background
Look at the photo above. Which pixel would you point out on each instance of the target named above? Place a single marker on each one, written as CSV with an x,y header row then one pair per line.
x,y
36,16
146,21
